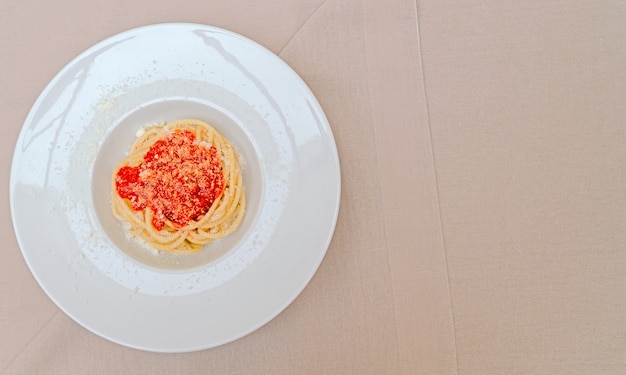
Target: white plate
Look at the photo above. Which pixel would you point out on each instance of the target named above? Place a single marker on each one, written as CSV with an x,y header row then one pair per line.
x,y
82,125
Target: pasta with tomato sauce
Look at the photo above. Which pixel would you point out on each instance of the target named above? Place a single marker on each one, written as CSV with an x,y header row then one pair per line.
x,y
179,187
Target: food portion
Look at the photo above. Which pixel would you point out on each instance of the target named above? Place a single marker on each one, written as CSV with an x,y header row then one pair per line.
x,y
179,187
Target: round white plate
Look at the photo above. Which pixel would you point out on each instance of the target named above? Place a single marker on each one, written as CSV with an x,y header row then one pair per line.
x,y
82,125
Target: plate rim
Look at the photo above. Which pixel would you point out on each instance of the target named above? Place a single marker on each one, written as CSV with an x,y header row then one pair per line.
x,y
134,31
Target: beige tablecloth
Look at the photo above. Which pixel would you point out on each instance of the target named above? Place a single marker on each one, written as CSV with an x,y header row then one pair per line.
x,y
483,220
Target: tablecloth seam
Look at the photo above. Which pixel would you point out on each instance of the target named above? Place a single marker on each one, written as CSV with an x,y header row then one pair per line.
x,y
306,21
32,339
382,200
437,190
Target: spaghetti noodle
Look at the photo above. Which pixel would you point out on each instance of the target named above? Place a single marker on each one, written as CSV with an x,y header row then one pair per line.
x,y
179,187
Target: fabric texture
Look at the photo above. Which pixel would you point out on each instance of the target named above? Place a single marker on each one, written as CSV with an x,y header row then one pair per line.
x,y
482,227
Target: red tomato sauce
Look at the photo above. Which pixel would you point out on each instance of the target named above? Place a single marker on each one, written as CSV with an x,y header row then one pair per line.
x,y
178,179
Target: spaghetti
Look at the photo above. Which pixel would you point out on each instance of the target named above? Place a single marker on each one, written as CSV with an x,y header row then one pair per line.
x,y
179,187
